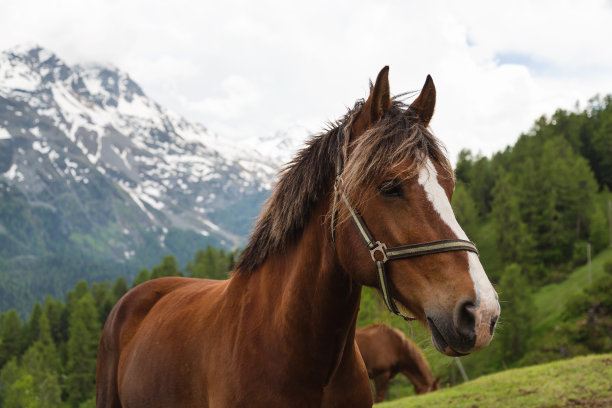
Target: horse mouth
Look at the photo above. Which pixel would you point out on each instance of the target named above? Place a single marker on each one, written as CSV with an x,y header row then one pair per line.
x,y
440,342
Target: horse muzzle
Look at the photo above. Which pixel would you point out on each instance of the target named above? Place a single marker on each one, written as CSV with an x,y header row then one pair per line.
x,y
469,329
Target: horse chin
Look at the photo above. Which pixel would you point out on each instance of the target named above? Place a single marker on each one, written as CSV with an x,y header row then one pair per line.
x,y
440,343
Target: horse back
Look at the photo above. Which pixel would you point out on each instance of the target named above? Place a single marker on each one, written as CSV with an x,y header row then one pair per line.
x,y
382,348
121,325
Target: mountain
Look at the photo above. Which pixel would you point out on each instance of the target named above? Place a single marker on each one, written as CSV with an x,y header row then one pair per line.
x,y
93,169
282,145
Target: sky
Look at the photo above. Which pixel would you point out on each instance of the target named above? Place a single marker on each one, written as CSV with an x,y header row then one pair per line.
x,y
252,68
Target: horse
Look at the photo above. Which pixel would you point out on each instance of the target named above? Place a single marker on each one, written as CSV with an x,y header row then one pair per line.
x,y
280,331
386,351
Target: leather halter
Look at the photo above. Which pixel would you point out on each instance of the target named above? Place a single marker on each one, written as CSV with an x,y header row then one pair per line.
x,y
378,250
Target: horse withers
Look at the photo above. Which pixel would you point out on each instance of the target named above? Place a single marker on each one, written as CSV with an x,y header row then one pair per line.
x,y
386,351
281,330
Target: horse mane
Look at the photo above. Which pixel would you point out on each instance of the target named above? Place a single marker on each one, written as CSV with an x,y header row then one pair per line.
x,y
309,177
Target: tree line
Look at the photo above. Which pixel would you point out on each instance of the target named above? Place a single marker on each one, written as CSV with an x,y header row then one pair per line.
x,y
545,196
49,360
535,207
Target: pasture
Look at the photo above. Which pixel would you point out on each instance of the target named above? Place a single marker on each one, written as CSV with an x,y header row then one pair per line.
x,y
579,382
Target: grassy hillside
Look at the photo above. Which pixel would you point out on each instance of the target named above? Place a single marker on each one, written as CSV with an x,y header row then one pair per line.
x,y
582,381
550,299
548,336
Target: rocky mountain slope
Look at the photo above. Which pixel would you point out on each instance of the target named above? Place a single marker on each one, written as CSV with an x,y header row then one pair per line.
x,y
91,166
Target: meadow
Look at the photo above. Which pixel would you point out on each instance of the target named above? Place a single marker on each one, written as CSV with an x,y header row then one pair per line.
x,y
579,382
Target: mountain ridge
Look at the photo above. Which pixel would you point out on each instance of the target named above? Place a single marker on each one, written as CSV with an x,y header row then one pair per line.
x,y
91,167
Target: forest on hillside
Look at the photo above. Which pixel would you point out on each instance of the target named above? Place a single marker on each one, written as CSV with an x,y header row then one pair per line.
x,y
49,360
532,209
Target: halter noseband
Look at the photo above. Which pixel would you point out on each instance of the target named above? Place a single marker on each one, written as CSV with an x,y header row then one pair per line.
x,y
379,249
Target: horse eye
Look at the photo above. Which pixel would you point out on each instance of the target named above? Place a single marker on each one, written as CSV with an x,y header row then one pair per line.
x,y
390,188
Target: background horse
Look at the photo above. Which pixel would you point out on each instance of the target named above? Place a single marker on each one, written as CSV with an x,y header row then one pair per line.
x,y
280,331
386,352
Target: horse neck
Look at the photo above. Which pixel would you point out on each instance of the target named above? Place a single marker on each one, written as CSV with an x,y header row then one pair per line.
x,y
416,368
307,300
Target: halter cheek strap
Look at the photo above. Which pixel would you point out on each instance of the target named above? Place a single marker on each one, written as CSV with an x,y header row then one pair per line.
x,y
381,254
379,251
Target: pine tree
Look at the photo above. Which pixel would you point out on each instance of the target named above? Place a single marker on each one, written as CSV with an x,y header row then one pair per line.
x,y
120,288
515,297
53,310
602,143
104,299
463,169
32,328
211,263
168,267
481,185
465,209
12,341
513,238
17,389
142,277
41,362
82,350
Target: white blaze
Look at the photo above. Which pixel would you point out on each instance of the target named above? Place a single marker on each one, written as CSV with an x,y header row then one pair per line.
x,y
486,297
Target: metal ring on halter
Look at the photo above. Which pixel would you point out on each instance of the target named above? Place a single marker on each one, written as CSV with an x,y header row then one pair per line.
x,y
380,246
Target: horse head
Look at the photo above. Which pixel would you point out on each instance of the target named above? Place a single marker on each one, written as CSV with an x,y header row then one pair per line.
x,y
394,176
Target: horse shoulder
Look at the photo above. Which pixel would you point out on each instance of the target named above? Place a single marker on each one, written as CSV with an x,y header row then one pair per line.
x,y
350,386
382,348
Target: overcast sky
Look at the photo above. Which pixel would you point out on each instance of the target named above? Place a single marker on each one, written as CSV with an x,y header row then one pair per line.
x,y
251,68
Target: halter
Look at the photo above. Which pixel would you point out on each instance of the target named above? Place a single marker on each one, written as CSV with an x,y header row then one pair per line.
x,y
378,250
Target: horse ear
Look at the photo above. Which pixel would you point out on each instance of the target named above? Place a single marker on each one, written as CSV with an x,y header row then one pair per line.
x,y
380,96
425,103
376,106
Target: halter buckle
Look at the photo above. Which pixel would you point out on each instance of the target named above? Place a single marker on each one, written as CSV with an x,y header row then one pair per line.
x,y
380,246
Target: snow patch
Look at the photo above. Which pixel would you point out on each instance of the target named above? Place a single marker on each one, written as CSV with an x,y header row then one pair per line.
x,y
213,226
41,147
4,134
14,174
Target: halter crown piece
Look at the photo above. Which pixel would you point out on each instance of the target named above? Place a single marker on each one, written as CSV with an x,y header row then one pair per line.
x,y
378,250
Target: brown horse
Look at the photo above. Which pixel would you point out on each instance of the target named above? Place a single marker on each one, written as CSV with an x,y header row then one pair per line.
x,y
280,331
386,352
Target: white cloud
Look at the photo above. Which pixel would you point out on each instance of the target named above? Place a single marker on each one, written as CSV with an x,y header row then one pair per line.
x,y
245,68
239,96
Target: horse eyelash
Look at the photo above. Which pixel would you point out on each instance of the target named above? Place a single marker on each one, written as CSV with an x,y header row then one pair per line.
x,y
391,188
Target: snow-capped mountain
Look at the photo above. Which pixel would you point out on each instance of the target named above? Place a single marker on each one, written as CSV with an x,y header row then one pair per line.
x,y
282,146
115,168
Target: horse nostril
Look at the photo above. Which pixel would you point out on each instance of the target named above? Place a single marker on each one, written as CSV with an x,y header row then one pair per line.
x,y
465,319
493,321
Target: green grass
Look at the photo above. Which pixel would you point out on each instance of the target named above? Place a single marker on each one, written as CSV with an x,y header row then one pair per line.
x,y
550,299
548,336
582,381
